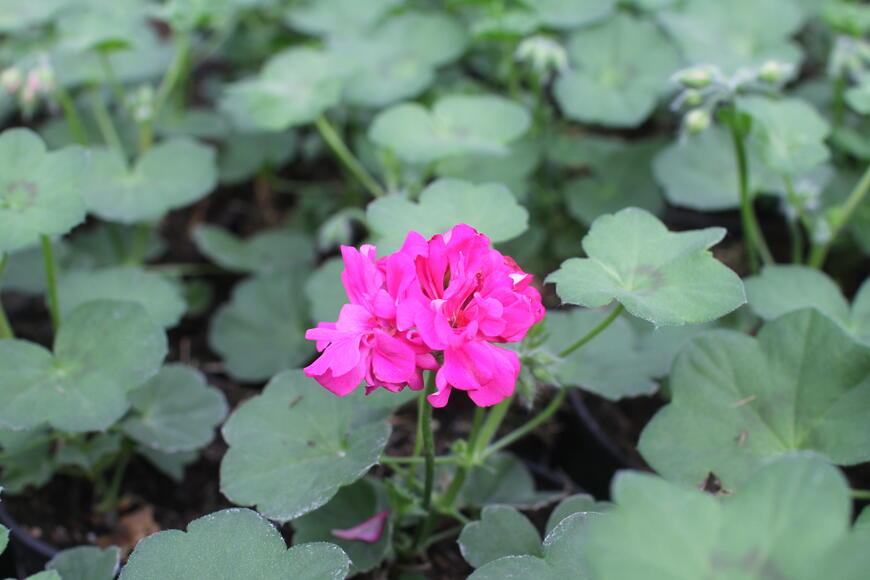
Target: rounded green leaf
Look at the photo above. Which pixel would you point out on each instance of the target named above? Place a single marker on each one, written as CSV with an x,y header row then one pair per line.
x,y
779,289
613,365
294,446
735,34
503,479
575,504
739,401
620,68
332,17
87,563
788,134
15,16
261,331
501,531
490,208
663,277
104,350
352,505
169,176
294,87
4,538
512,169
779,525
268,250
28,458
700,172
160,296
457,125
325,291
175,411
40,192
229,545
572,13
243,155
397,59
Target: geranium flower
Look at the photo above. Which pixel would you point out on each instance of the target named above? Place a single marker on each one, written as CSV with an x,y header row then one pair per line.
x,y
452,296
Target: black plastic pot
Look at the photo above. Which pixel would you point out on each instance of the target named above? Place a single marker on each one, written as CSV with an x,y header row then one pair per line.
x,y
28,554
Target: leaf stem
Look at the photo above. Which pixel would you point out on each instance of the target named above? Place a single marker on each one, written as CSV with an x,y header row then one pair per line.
x,y
109,501
751,229
5,327
531,425
393,460
594,332
167,84
51,280
105,124
72,115
860,493
488,430
335,142
820,251
111,77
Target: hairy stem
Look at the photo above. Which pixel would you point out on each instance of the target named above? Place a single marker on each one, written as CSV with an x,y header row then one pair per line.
x,y
820,251
346,156
594,332
51,280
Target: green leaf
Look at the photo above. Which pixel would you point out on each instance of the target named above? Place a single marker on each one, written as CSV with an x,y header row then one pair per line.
x,y
4,538
171,175
739,401
663,277
789,134
294,446
47,575
325,292
337,17
571,13
398,58
778,525
700,172
610,187
27,458
15,16
89,454
243,155
503,479
228,545
620,68
294,87
501,531
265,251
512,169
261,331
101,26
579,503
40,192
456,125
858,97
175,411
560,557
736,34
160,296
104,350
352,505
612,365
86,563
785,288
490,208
170,464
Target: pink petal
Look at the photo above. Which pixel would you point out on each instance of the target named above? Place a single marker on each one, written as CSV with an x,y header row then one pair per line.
x,y
368,531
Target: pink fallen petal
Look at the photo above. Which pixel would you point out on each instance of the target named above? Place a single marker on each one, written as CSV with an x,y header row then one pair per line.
x,y
368,531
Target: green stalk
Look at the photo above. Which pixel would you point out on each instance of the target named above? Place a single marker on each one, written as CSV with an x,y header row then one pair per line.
x,y
594,332
530,426
344,154
109,501
860,493
167,84
51,279
5,327
489,429
392,460
73,119
820,251
428,443
105,124
755,238
111,77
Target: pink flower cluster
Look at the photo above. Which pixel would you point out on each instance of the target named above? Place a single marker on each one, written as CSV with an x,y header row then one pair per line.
x,y
436,304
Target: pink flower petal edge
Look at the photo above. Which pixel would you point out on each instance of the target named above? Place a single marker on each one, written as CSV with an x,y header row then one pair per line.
x,y
440,304
368,531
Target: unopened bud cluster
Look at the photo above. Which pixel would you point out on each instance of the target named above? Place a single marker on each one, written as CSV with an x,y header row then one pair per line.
x,y
704,87
543,55
28,86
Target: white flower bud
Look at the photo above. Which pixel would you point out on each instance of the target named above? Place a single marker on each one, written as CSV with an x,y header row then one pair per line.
x,y
696,77
543,54
697,121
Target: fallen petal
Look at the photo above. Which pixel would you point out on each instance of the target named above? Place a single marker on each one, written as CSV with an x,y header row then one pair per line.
x,y
369,531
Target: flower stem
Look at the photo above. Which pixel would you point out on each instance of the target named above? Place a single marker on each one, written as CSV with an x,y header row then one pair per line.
x,y
105,124
335,142
751,229
5,327
111,77
820,251
72,115
109,500
489,429
51,280
860,493
531,425
428,442
167,84
594,332
392,460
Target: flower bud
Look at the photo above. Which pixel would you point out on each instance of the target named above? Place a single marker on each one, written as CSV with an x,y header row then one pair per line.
x,y
696,77
774,72
543,54
696,121
11,79
141,104
693,98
